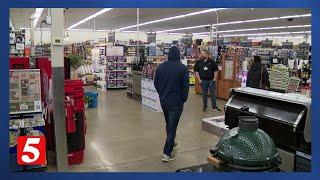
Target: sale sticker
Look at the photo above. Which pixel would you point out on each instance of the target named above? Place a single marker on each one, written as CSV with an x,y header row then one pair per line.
x,y
31,150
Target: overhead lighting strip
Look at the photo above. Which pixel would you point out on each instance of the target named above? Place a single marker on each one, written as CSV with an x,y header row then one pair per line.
x,y
37,15
266,34
90,17
171,18
256,29
234,22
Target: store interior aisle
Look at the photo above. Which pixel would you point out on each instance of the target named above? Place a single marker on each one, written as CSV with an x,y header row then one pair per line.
x,y
122,136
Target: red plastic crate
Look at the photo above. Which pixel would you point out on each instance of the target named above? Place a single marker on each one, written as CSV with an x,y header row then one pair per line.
x,y
76,157
71,125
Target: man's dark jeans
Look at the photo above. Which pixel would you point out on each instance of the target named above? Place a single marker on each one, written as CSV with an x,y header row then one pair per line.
x,y
172,116
211,86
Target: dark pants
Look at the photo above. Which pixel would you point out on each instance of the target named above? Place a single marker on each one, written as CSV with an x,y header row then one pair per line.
x,y
211,86
172,117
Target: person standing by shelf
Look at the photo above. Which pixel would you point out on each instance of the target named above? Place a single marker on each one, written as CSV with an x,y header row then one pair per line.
x,y
172,84
206,71
258,76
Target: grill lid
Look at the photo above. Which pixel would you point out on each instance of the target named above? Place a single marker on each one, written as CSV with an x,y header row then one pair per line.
x,y
247,145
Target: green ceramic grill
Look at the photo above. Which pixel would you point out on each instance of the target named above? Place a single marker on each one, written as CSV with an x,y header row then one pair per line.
x,y
246,148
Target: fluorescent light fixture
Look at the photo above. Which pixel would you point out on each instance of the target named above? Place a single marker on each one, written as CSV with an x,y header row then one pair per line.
x,y
89,30
171,18
102,30
305,15
37,15
276,37
90,17
266,34
253,29
293,16
228,23
267,28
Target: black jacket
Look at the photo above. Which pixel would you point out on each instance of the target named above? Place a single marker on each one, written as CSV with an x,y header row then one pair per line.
x,y
172,80
254,76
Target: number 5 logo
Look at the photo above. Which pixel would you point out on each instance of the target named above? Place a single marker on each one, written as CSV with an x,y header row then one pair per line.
x,y
31,150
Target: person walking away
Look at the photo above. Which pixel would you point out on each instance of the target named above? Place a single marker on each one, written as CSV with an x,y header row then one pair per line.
x,y
258,76
206,71
172,84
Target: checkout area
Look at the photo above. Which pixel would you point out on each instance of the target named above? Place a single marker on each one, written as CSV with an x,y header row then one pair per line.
x,y
262,131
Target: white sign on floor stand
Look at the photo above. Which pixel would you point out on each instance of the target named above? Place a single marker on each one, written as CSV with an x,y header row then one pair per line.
x,y
149,95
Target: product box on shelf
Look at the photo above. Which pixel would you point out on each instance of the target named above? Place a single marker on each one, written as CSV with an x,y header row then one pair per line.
x,y
112,83
14,132
121,83
121,59
112,58
112,75
112,67
25,91
121,75
121,67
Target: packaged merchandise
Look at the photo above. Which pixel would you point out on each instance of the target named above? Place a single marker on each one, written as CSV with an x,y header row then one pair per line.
x,y
25,91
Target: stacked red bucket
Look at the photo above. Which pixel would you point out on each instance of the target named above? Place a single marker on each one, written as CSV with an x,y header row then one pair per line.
x,y
75,120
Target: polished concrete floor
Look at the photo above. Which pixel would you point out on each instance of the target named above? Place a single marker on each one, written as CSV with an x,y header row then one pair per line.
x,y
124,137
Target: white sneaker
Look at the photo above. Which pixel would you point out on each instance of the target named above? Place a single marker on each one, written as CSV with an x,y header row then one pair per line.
x,y
167,158
175,146
175,149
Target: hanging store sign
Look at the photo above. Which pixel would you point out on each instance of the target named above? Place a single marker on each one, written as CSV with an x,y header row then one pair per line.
x,y
20,41
287,45
266,44
112,37
187,39
151,37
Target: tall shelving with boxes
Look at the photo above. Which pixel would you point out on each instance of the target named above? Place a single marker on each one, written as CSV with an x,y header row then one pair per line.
x,y
191,61
99,66
116,72
130,53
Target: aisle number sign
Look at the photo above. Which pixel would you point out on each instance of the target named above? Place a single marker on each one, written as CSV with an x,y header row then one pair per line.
x,y
31,150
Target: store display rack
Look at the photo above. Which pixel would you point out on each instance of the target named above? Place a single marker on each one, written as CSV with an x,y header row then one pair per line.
x,y
116,68
26,116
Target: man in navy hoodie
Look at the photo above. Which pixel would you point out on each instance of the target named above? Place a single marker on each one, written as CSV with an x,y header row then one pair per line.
x,y
172,84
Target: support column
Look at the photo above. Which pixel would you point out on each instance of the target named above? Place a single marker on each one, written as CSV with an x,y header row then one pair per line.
x,y
138,31
32,35
57,61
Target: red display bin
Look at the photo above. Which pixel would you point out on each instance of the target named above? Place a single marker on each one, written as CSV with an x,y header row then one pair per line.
x,y
19,63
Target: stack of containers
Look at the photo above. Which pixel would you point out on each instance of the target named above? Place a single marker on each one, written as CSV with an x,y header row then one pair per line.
x,y
279,76
75,120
